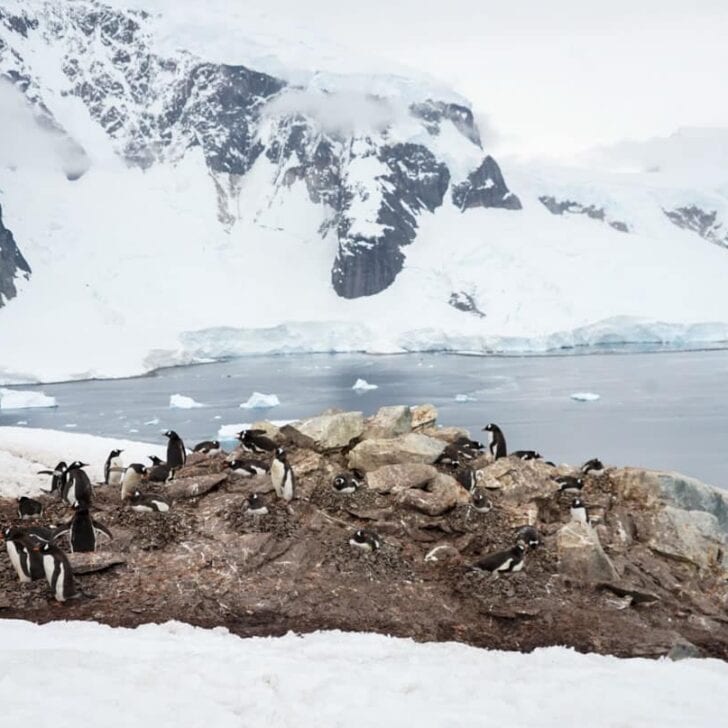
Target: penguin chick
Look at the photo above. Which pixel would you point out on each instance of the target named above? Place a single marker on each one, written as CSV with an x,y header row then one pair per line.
x,y
480,501
593,466
578,511
208,447
29,508
507,561
529,535
569,482
255,505
142,503
365,540
496,441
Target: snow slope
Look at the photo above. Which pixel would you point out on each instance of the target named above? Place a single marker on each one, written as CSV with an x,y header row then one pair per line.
x,y
176,675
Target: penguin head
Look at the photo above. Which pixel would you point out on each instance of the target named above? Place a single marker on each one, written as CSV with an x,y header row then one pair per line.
x,y
170,434
115,453
77,464
155,460
241,435
490,427
577,503
215,444
138,468
521,546
254,500
136,494
280,453
339,481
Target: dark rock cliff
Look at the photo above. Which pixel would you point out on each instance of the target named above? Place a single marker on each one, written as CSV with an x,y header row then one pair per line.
x,y
12,263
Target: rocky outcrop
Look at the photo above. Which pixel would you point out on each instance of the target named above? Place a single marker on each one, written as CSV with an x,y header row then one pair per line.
x,y
704,223
581,556
411,448
571,207
12,264
332,431
485,187
389,422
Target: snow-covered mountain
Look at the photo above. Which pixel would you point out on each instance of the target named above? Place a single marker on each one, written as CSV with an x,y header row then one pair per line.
x,y
174,207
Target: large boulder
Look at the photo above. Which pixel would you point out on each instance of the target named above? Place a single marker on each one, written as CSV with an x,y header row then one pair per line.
x,y
412,448
389,422
330,432
581,556
395,478
438,496
424,415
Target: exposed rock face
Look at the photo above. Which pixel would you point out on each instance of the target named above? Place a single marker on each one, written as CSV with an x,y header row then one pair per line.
x,y
396,478
423,415
12,263
332,432
389,422
485,187
438,496
464,301
570,207
581,556
412,448
704,223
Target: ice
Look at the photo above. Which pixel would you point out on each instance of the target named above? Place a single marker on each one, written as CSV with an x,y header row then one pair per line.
x,y
585,396
180,401
465,398
258,400
361,385
11,399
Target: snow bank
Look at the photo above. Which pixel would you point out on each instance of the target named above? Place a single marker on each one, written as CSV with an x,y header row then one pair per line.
x,y
258,400
585,396
177,675
361,385
181,402
11,399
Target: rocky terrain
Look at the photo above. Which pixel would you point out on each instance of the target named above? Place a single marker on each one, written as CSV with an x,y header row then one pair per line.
x,y
12,263
648,577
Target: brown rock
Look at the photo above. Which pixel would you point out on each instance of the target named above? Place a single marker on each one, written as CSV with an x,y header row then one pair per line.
x,y
424,415
331,432
388,422
581,556
412,448
439,496
395,478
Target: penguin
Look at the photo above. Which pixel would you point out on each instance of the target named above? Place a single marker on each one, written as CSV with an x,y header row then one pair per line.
x,y
247,468
449,456
480,501
526,455
113,468
27,563
77,489
142,503
40,533
529,535
58,572
496,441
569,482
347,483
58,477
83,532
463,448
255,441
176,453
159,472
132,478
208,447
468,478
593,466
365,540
578,511
29,508
507,561
282,476
255,505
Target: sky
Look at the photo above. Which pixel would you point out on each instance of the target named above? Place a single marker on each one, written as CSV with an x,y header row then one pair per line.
x,y
549,78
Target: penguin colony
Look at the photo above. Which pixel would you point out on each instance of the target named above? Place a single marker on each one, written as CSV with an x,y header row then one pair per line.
x,y
36,552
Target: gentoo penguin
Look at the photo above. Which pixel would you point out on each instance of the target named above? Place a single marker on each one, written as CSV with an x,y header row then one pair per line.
x,y
502,561
347,483
29,508
569,482
26,562
463,448
365,540
77,489
176,453
255,505
496,441
282,477
208,447
593,466
40,533
480,501
58,572
132,478
526,455
142,503
529,535
113,468
468,478
247,468
578,511
255,441
159,472
58,477
83,532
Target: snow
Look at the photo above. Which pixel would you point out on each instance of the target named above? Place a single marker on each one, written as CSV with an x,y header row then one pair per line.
x,y
585,396
178,675
180,401
11,399
258,400
361,385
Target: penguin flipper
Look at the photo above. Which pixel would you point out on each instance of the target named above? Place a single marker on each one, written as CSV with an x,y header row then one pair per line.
x,y
102,529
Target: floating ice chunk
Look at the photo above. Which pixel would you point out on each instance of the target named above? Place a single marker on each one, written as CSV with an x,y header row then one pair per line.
x,y
71,425
22,422
154,421
464,398
585,396
361,385
258,400
181,402
18,399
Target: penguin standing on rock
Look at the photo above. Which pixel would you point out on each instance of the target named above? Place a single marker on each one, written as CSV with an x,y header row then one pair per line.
x,y
569,482
142,503
507,561
496,441
132,479
255,441
26,562
578,511
282,476
83,532
58,572
159,472
113,468
77,490
176,453
29,508
365,540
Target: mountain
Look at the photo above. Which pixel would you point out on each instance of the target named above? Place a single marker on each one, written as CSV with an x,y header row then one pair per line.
x,y
174,207
12,263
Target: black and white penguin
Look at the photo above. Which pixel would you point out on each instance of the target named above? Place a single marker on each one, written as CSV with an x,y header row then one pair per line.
x,y
255,441
83,532
569,482
347,483
58,477
113,468
132,479
282,476
58,572
593,467
507,561
176,453
247,468
20,546
255,505
526,455
159,472
578,511
77,490
29,508
529,535
208,447
40,533
467,477
496,441
365,540
480,502
142,503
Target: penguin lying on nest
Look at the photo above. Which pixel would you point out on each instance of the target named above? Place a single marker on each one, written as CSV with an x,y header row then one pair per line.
x,y
142,503
347,483
365,540
507,561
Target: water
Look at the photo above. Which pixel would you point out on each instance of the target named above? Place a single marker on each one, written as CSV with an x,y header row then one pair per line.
x,y
667,411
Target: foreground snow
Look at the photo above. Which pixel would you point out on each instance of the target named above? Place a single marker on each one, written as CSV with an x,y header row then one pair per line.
x,y
11,399
177,675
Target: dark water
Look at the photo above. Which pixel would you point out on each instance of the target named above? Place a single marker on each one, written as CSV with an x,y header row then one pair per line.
x,y
666,411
